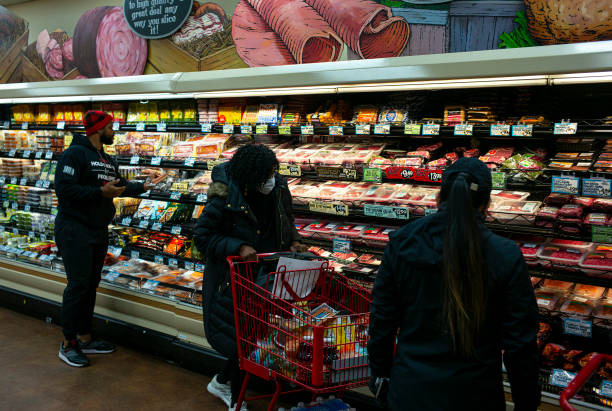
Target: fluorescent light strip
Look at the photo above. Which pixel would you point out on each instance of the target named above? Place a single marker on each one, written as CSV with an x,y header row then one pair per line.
x,y
582,78
285,91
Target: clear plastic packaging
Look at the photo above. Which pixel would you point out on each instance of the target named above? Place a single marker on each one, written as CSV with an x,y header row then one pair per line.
x,y
591,292
547,300
556,286
563,256
571,211
599,262
578,305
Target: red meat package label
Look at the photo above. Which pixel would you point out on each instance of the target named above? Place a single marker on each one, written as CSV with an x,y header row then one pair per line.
x,y
416,174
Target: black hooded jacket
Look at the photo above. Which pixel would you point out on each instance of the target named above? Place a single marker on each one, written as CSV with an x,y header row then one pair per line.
x,y
425,373
80,174
227,223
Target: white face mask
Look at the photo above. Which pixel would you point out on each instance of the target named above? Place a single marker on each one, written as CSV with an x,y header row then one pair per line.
x,y
267,187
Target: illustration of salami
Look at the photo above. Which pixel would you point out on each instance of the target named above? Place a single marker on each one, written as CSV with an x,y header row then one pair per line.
x,y
306,35
367,27
104,46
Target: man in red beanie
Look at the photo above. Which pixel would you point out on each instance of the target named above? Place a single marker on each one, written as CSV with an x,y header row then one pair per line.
x,y
86,181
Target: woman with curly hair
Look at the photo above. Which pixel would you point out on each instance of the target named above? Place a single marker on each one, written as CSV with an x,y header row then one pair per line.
x,y
248,212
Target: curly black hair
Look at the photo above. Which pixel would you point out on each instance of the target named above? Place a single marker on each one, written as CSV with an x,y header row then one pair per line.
x,y
252,165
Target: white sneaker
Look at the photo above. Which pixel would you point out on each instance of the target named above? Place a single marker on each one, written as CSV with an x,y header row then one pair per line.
x,y
221,391
242,408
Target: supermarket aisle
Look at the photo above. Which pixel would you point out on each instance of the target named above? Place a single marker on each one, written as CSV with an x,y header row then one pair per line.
x,y
32,377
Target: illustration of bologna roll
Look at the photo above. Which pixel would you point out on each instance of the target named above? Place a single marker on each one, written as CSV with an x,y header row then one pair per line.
x,y
104,46
277,32
367,27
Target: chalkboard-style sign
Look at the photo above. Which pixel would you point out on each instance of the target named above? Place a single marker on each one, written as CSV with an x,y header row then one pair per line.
x,y
155,19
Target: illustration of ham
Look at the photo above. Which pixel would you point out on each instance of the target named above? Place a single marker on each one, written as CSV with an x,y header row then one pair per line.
x,y
54,61
277,32
367,27
104,46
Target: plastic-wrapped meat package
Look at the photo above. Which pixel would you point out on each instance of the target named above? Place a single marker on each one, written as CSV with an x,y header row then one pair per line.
x,y
350,257
368,259
579,245
440,163
422,154
304,191
381,193
578,305
586,202
377,236
333,190
530,251
471,153
357,158
556,286
355,191
573,211
322,229
452,157
603,204
565,257
535,281
326,158
403,194
547,300
300,157
596,219
502,195
518,213
591,292
408,162
318,251
349,230
547,213
380,162
423,197
431,147
599,262
558,199
300,229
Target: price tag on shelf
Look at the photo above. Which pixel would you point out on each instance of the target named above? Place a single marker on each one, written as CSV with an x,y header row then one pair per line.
x,y
32,234
206,128
189,266
134,254
27,208
14,181
190,162
38,155
202,198
53,211
341,245
601,234
144,224
127,221
336,131
578,326
157,227
246,129
606,389
23,182
307,130
39,184
161,127
24,125
362,129
565,185
116,126
499,180
26,154
159,259
49,155
565,128
382,129
111,277
199,267
46,183
261,129
115,251
431,129
228,129
15,231
176,230
430,211
151,284
212,164
175,196
284,130
522,130
12,153
337,172
6,124
135,160
412,129
61,125
464,129
2,180
172,262
156,161
15,206
140,126
500,130
317,206
561,378
290,170
372,175
596,187
43,237
381,211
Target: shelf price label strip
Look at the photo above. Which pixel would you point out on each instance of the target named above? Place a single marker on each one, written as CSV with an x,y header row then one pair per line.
x,y
566,185
290,170
318,206
382,211
337,172
412,173
578,326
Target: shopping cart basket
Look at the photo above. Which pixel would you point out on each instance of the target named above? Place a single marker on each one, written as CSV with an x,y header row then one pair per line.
x,y
306,327
583,376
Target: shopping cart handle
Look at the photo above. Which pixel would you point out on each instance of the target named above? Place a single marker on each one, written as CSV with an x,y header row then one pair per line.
x,y
271,256
576,384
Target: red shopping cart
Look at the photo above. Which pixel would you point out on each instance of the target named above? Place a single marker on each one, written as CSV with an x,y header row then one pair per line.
x,y
307,327
583,376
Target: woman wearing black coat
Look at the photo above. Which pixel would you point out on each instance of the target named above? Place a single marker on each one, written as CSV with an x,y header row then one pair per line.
x,y
455,295
249,211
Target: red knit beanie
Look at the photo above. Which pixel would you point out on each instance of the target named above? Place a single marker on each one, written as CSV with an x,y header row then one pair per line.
x,y
95,121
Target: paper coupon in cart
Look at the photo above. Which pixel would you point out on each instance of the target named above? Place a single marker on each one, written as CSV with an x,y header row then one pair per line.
x,y
301,282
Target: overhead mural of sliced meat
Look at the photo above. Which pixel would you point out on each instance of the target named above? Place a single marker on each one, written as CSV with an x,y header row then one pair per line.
x,y
367,27
104,45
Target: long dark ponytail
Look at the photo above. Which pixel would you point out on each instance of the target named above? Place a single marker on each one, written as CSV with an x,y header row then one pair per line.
x,y
464,272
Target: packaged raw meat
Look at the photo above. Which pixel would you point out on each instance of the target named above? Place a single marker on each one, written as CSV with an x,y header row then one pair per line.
x,y
519,213
422,154
548,213
565,257
529,250
322,229
556,286
500,195
368,259
403,194
350,257
409,162
557,199
318,251
566,156
584,201
440,163
535,281
580,245
423,197
379,194
356,191
599,262
544,333
561,165
603,204
552,355
547,300
605,310
471,153
589,291
349,230
378,236
571,211
333,190
577,305
596,219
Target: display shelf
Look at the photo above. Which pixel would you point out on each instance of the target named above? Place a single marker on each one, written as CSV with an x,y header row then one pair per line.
x,y
13,228
573,277
161,257
14,205
29,154
185,229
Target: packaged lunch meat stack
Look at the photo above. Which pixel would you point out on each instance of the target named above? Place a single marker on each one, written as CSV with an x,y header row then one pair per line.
x,y
598,263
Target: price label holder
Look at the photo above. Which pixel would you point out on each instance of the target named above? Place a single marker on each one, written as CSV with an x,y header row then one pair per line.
x,y
430,211
12,153
566,185
382,129
157,227
307,130
284,130
115,251
606,388
156,161
111,277
372,175
14,181
362,129
381,211
601,234
464,130
202,198
246,129
578,326
412,129
172,262
27,208
53,211
38,155
2,180
500,130
161,127
176,230
15,231
26,154
337,172
189,266
140,126
212,164
206,128
49,155
199,267
431,129
261,129
61,125
159,259
499,180
190,162
228,129
290,170
522,130
561,378
144,224
15,206
317,206
23,182
127,221
596,187
341,245
152,284
175,196
565,128
24,125
46,183
6,124
336,131
135,160
134,254
116,126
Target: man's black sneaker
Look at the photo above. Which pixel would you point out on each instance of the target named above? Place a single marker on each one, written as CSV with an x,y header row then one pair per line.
x,y
72,354
95,346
